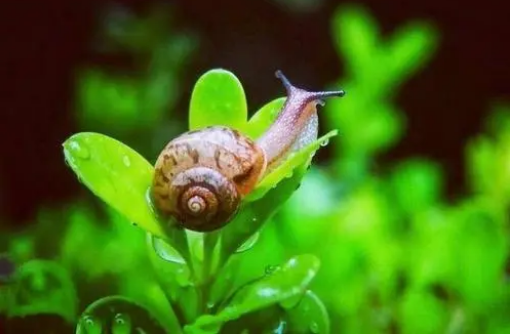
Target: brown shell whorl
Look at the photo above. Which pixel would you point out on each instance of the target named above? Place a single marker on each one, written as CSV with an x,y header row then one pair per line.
x,y
200,198
201,176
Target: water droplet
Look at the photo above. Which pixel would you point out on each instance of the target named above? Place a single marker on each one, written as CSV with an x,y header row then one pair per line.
x,y
79,150
126,161
165,251
89,325
314,327
270,269
148,198
324,142
121,324
249,243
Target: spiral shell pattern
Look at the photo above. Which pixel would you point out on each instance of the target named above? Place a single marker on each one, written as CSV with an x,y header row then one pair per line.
x,y
201,176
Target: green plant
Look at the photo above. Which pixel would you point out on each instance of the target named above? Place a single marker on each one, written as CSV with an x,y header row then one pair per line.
x,y
394,254
198,270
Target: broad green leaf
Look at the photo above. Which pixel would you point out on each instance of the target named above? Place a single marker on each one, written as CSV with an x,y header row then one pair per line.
x,y
218,99
118,315
299,158
41,286
115,173
308,316
287,281
264,117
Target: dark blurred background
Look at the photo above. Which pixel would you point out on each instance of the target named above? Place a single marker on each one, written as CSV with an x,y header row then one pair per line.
x,y
44,42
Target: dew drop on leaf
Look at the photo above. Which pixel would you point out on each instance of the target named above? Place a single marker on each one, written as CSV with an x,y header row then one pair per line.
x,y
148,198
314,327
126,161
121,324
249,243
271,269
89,325
165,251
79,150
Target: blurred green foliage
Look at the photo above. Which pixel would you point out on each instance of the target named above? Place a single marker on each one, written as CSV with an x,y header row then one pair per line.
x,y
394,254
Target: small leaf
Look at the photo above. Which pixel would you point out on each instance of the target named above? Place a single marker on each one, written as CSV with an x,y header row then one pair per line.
x,y
410,49
121,178
116,174
218,99
417,184
418,305
309,315
285,282
117,314
41,286
356,38
108,100
264,117
299,158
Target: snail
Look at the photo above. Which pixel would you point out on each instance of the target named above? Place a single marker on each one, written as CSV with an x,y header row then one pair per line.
x,y
201,176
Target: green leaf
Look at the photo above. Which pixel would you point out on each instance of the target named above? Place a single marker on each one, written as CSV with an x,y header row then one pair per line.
x,y
121,178
410,49
418,305
174,276
287,281
41,286
356,38
115,173
118,315
104,99
417,184
264,117
218,99
299,158
309,315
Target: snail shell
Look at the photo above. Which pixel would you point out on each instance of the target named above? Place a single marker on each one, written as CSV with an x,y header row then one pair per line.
x,y
202,175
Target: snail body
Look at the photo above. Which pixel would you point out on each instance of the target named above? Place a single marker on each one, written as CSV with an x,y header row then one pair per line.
x,y
201,176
